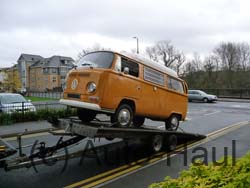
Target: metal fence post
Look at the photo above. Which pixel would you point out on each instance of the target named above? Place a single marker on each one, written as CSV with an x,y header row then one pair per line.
x,y
22,110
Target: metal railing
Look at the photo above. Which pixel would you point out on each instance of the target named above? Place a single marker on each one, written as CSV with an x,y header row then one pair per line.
x,y
22,112
230,93
50,94
26,107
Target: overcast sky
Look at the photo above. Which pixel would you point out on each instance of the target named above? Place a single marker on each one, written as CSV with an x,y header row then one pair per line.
x,y
65,27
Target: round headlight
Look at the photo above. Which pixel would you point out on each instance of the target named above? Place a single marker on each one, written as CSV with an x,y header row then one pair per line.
x,y
91,87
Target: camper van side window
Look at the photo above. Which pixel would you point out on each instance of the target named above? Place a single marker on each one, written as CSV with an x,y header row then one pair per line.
x,y
175,84
133,67
153,76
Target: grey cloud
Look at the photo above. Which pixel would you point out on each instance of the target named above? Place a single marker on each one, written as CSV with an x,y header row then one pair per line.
x,y
191,25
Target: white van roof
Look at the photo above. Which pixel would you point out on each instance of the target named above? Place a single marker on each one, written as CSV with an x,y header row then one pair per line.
x,y
150,63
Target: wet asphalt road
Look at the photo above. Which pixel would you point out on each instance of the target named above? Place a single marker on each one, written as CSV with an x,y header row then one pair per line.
x,y
202,118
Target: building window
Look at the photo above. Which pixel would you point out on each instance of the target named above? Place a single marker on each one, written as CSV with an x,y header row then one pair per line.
x,y
154,76
133,67
175,84
54,79
45,70
54,70
63,70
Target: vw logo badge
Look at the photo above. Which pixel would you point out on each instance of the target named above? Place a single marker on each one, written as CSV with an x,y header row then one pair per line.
x,y
74,84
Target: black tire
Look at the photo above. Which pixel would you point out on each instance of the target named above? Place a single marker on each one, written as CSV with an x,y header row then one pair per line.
x,y
156,143
138,121
171,142
205,100
85,115
123,116
109,138
172,123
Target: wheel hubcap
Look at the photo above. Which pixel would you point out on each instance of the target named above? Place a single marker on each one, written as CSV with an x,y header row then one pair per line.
x,y
124,117
157,143
174,123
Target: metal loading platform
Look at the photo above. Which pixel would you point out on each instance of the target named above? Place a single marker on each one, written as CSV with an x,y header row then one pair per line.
x,y
6,149
102,129
156,140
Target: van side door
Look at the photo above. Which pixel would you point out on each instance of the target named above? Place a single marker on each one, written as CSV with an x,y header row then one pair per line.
x,y
127,82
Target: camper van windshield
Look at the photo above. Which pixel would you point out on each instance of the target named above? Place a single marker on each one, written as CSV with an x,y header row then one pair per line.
x,y
97,60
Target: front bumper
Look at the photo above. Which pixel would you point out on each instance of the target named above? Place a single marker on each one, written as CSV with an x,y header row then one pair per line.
x,y
213,99
85,105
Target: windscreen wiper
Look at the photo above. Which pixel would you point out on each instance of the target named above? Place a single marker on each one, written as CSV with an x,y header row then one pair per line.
x,y
87,64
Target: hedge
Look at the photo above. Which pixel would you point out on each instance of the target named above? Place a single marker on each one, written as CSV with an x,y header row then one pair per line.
x,y
44,114
211,176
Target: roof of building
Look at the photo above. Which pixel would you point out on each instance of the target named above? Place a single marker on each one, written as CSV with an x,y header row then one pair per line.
x,y
54,61
30,57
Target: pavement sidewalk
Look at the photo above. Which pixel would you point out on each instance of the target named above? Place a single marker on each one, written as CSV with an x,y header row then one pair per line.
x,y
234,100
21,127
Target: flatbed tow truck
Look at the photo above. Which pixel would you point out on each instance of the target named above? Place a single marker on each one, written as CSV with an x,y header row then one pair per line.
x,y
156,139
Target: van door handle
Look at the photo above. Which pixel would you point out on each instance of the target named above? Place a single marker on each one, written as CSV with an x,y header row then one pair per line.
x,y
138,87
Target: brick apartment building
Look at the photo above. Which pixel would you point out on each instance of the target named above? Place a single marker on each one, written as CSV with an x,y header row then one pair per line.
x,y
3,78
9,79
42,74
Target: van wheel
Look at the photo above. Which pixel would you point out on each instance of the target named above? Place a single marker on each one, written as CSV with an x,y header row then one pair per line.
x,y
138,121
85,115
123,116
172,123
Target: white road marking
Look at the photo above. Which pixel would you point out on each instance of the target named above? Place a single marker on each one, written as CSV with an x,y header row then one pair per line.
x,y
212,113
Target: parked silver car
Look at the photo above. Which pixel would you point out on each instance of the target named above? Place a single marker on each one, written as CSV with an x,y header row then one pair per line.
x,y
198,95
11,102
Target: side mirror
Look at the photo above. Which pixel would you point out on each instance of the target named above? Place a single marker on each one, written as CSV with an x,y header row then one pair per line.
x,y
29,100
126,70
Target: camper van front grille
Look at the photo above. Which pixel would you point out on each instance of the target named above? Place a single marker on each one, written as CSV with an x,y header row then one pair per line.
x,y
73,95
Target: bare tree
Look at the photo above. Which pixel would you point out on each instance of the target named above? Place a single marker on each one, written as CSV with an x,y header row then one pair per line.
x,y
228,55
152,53
209,65
243,55
197,61
181,58
165,51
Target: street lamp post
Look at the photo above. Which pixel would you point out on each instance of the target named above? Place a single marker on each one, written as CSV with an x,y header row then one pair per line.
x,y
137,44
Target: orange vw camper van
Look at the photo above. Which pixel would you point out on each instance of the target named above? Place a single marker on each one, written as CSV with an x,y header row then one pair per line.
x,y
127,87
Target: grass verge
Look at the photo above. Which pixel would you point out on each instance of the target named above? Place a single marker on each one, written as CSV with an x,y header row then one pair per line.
x,y
37,99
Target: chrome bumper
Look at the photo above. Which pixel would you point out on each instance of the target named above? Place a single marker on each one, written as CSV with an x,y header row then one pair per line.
x,y
86,105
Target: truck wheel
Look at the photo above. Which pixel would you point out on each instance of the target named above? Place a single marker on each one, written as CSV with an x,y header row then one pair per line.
x,y
123,116
85,115
171,142
138,121
109,138
156,143
172,123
